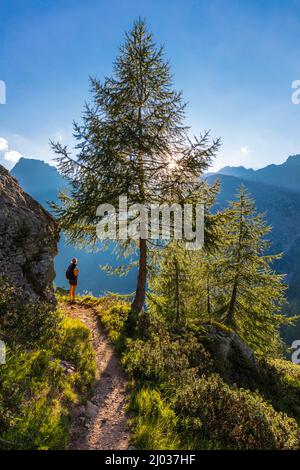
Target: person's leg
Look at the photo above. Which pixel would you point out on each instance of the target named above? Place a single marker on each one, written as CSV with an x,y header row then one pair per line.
x,y
70,292
74,293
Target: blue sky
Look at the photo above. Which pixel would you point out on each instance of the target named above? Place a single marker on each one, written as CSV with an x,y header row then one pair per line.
x,y
235,61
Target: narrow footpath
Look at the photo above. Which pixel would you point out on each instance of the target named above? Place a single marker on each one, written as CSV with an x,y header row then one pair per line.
x,y
102,423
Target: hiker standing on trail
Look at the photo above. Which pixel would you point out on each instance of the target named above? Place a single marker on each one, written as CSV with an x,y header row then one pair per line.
x,y
72,276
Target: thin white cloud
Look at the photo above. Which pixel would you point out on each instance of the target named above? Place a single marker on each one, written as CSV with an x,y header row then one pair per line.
x,y
12,156
245,150
59,136
3,144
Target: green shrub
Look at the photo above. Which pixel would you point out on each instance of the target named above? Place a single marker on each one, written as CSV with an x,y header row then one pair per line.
x,y
163,359
280,384
236,418
114,316
154,424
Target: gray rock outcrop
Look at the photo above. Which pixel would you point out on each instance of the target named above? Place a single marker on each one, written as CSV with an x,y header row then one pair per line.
x,y
232,358
28,240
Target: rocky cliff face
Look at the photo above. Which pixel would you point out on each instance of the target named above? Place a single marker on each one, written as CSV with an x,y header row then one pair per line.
x,y
28,240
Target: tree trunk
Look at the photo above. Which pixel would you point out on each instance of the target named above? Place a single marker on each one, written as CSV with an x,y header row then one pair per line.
x,y
230,321
231,309
139,300
208,297
177,294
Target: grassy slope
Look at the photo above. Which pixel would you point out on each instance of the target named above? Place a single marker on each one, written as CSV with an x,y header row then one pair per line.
x,y
38,388
179,398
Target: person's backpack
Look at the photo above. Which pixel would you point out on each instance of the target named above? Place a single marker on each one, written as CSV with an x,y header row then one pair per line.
x,y
70,272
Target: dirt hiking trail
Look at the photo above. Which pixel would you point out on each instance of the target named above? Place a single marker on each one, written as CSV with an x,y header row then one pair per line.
x,y
102,423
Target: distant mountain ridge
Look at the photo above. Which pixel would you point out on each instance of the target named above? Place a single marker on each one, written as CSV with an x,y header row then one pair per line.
x,y
41,180
285,175
271,193
239,171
